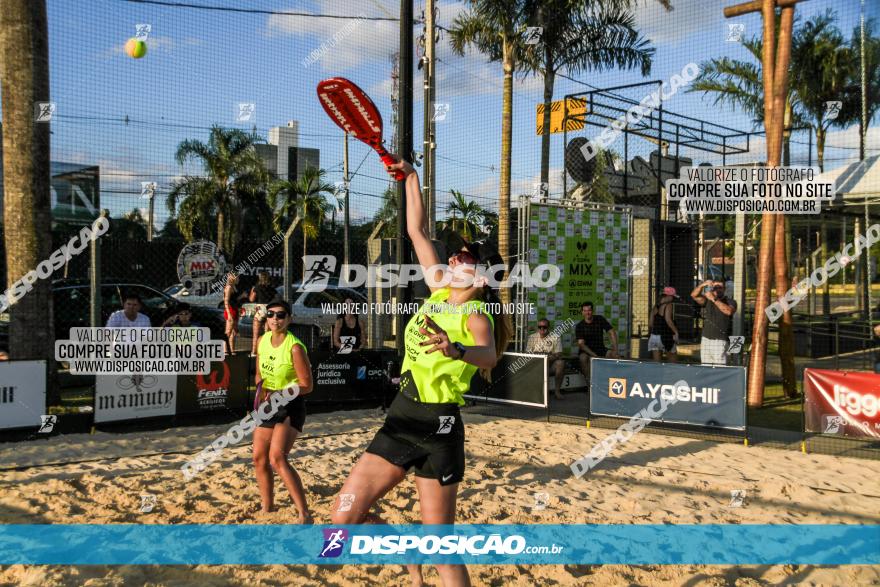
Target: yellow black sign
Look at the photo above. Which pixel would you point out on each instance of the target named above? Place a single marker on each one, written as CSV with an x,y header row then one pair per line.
x,y
576,107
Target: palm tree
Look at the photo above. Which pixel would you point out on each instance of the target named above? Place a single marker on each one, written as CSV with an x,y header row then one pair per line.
x,y
872,71
581,35
818,71
467,219
497,28
24,74
822,67
131,226
307,198
387,213
236,180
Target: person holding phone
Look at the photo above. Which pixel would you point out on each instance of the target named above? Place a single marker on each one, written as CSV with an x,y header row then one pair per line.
x,y
718,311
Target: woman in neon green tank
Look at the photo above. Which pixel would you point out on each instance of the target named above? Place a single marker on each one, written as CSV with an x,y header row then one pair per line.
x,y
282,361
452,336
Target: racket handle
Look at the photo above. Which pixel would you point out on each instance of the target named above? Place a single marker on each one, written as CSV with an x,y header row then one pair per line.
x,y
387,159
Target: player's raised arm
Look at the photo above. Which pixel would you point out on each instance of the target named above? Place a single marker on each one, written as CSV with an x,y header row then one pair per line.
x,y
417,224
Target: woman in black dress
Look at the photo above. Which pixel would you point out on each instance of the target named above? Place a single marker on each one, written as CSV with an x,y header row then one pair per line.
x,y
347,325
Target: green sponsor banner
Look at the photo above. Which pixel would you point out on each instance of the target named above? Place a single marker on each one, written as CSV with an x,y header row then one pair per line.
x,y
591,249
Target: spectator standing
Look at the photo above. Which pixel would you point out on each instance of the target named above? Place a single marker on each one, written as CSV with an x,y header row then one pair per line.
x,y
262,293
590,334
347,324
547,343
231,304
130,315
664,334
718,311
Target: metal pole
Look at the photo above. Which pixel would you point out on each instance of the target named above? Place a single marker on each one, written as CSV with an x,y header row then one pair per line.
x,y
431,135
863,122
404,150
150,218
95,278
345,179
739,273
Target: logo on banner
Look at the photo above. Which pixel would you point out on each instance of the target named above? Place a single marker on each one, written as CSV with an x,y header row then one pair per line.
x,y
832,424
334,541
198,265
138,382
617,388
47,424
446,424
212,393
362,372
347,345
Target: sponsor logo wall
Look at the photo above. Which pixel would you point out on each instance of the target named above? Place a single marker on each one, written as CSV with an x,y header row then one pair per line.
x,y
225,387
716,396
348,377
22,393
527,386
129,397
841,403
591,248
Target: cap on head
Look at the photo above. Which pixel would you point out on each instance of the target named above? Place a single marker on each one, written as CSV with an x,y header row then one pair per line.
x,y
278,303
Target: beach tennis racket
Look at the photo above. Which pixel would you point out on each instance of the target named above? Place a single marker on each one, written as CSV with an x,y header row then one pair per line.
x,y
352,110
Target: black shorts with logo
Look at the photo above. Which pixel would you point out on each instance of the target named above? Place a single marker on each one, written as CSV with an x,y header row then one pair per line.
x,y
295,410
429,437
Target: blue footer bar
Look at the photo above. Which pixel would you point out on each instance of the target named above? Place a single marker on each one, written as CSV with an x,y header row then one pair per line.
x,y
120,544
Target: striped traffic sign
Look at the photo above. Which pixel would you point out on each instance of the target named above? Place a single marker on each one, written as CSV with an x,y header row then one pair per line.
x,y
576,107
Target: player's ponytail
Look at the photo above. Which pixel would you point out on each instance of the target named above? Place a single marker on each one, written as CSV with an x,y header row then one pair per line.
x,y
502,329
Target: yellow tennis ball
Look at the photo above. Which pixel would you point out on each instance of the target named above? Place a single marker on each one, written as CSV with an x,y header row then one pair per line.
x,y
136,48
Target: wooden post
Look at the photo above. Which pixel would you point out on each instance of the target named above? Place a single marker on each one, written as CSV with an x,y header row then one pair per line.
x,y
775,61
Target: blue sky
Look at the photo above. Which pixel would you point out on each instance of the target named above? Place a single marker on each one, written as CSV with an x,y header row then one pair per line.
x,y
201,64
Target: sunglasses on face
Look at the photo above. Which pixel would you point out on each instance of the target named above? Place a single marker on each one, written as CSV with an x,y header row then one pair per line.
x,y
465,257
543,327
280,314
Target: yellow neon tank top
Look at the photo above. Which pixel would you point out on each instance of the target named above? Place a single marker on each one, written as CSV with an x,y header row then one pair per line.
x,y
276,364
439,379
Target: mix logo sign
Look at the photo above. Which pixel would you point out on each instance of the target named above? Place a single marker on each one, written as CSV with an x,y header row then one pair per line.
x,y
198,264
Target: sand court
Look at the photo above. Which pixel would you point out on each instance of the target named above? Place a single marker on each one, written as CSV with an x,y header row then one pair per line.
x,y
653,479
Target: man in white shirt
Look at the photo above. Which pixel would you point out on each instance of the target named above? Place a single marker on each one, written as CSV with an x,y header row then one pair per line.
x,y
545,343
129,316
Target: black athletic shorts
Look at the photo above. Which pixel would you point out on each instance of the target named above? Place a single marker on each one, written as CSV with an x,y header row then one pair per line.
x,y
429,437
295,410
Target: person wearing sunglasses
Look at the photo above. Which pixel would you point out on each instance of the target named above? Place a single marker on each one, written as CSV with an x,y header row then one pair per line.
x,y
282,361
444,348
544,342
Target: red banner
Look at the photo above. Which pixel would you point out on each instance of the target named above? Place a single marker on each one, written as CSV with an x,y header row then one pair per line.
x,y
842,403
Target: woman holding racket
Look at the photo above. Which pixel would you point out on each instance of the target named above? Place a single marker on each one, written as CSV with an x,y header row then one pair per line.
x,y
282,361
423,429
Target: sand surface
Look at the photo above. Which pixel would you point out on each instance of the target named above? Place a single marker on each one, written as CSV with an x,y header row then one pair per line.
x,y
652,479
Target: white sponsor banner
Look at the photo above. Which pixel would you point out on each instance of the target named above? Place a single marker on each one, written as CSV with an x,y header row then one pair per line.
x,y
128,397
22,393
